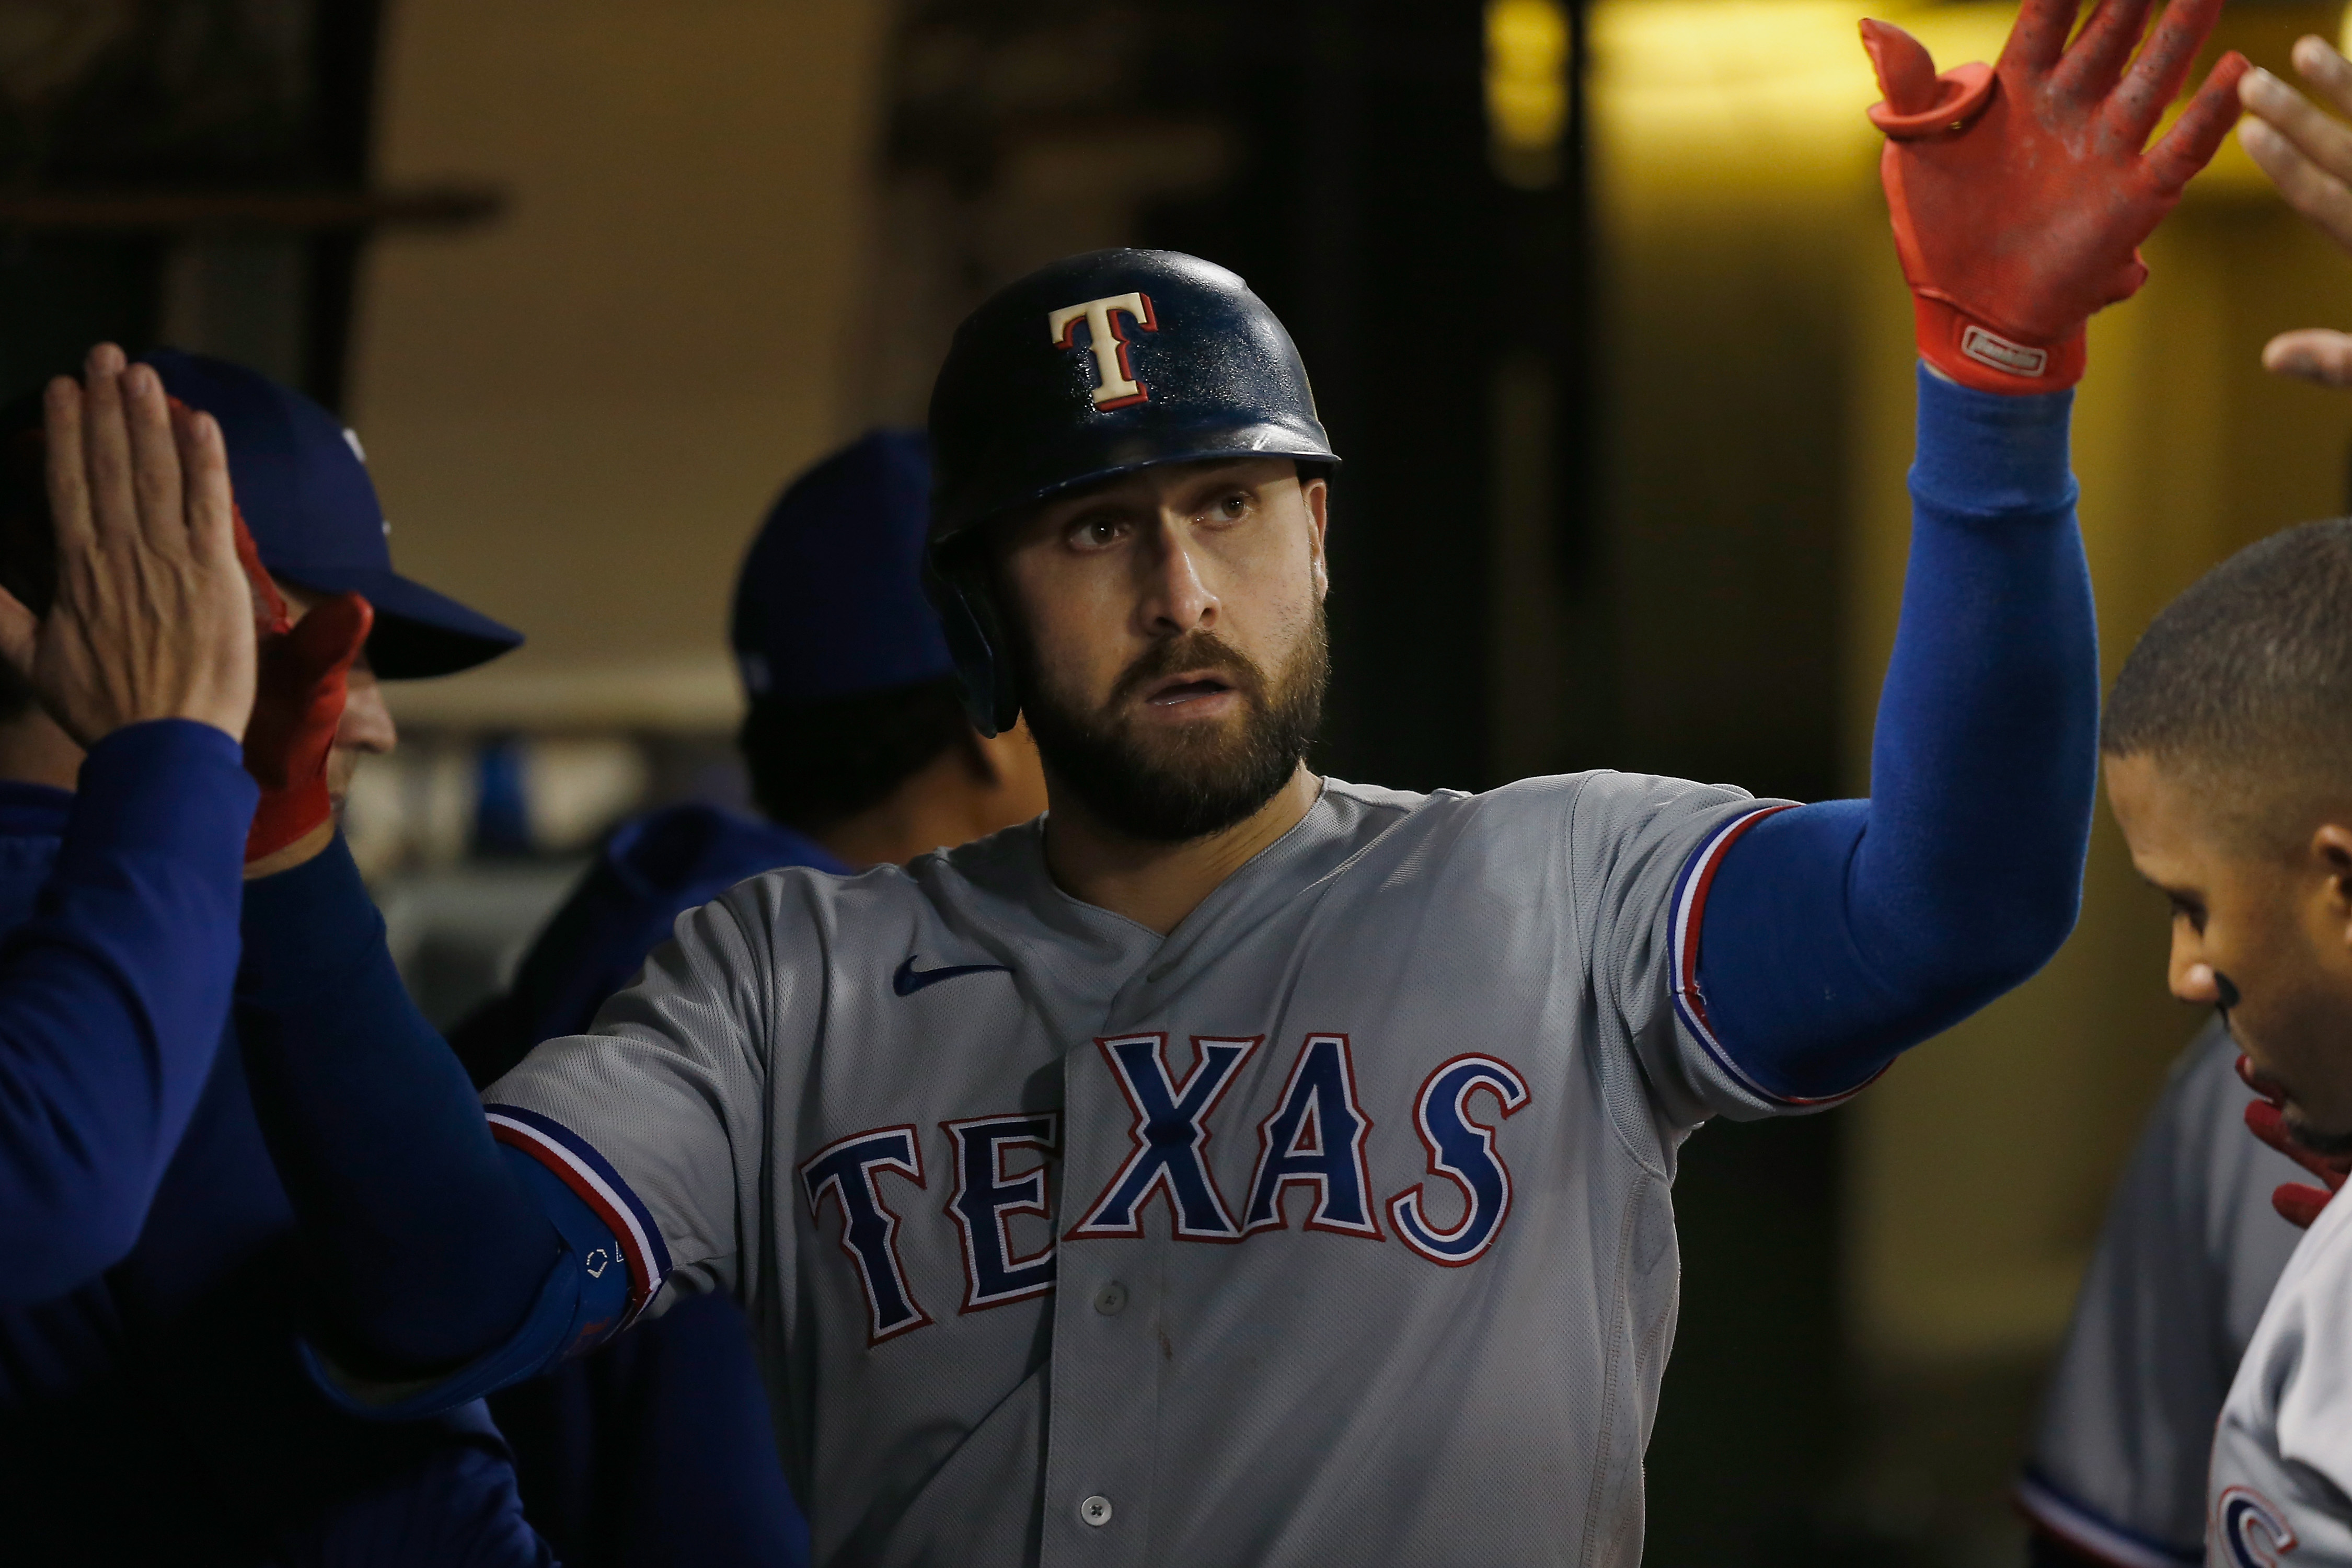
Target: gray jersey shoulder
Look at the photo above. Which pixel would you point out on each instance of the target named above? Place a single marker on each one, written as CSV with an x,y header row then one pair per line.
x,y
1032,1206
2281,1484
2185,1262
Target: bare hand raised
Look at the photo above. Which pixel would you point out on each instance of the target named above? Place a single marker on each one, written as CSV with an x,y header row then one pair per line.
x,y
2307,153
152,616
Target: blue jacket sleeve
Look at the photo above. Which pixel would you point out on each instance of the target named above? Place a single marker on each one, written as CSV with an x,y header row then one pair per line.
x,y
444,1264
1834,936
113,996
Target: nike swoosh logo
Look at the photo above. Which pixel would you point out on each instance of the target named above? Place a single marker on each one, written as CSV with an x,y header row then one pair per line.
x,y
910,980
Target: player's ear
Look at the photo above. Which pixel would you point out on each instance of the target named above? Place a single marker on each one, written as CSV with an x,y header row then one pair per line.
x,y
1315,490
2331,853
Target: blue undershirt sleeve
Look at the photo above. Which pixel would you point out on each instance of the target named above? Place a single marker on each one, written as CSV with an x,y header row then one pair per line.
x,y
112,998
446,1265
1836,935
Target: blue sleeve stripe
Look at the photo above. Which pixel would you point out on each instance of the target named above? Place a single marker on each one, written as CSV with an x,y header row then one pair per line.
x,y
2085,1531
579,1167
1690,1001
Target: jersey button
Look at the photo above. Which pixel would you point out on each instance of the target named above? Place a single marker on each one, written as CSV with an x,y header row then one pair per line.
x,y
1110,1302
1096,1511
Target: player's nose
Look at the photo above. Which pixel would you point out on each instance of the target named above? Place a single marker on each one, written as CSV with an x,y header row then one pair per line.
x,y
1177,599
2191,977
366,725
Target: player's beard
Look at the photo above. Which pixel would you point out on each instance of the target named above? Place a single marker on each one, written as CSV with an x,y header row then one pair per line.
x,y
1175,785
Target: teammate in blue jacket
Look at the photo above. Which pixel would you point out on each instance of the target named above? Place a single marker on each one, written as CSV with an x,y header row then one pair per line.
x,y
115,983
1241,1165
155,1411
657,1447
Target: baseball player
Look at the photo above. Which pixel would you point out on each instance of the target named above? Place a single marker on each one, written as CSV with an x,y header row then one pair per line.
x,y
2226,768
659,1444
114,992
2192,1245
155,1412
2205,1218
2186,1269
1240,1165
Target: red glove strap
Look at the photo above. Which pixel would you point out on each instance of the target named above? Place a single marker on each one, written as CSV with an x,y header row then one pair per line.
x,y
1976,355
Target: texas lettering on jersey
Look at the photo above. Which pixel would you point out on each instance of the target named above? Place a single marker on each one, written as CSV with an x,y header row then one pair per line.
x,y
1315,1136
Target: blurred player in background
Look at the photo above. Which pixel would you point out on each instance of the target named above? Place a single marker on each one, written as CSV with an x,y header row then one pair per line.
x,y
658,1448
856,743
2184,1265
2206,1217
157,1412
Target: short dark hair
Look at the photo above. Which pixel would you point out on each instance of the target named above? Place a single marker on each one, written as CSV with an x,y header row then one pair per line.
x,y
815,764
2248,674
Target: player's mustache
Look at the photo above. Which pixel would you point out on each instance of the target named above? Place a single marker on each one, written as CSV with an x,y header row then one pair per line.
x,y
1192,651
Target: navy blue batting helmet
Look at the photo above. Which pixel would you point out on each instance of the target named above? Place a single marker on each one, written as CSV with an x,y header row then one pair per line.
x,y
1089,367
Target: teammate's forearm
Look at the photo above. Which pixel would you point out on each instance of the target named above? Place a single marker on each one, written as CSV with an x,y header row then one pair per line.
x,y
113,998
428,1249
1836,935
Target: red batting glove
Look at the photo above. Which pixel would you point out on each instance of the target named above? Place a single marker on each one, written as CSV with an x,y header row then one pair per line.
x,y
2297,1203
2020,193
297,705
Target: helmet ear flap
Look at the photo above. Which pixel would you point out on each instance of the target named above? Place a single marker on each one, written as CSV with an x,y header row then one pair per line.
x,y
966,602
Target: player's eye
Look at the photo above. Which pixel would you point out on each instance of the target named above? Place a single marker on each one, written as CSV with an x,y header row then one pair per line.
x,y
1232,508
2189,909
1097,532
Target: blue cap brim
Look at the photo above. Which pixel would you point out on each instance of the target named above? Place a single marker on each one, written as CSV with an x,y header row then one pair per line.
x,y
418,633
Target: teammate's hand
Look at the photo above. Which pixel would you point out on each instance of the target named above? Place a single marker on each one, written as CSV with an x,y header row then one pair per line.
x,y
299,702
2297,1203
2308,156
149,618
2020,194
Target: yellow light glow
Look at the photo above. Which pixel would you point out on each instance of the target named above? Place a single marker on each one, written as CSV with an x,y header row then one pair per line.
x,y
1527,88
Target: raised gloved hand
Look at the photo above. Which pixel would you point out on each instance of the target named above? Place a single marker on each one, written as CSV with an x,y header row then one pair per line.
x,y
2020,193
2296,1202
296,706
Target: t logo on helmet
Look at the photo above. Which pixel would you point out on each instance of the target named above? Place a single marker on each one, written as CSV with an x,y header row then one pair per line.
x,y
1115,384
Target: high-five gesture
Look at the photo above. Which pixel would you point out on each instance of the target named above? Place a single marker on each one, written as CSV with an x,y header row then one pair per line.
x,y
151,617
2021,193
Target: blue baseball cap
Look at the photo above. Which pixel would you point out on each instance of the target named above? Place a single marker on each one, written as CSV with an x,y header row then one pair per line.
x,y
830,602
302,484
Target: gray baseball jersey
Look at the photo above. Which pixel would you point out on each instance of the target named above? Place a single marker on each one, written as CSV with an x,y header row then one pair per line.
x,y
2185,1264
2281,1486
1332,1228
